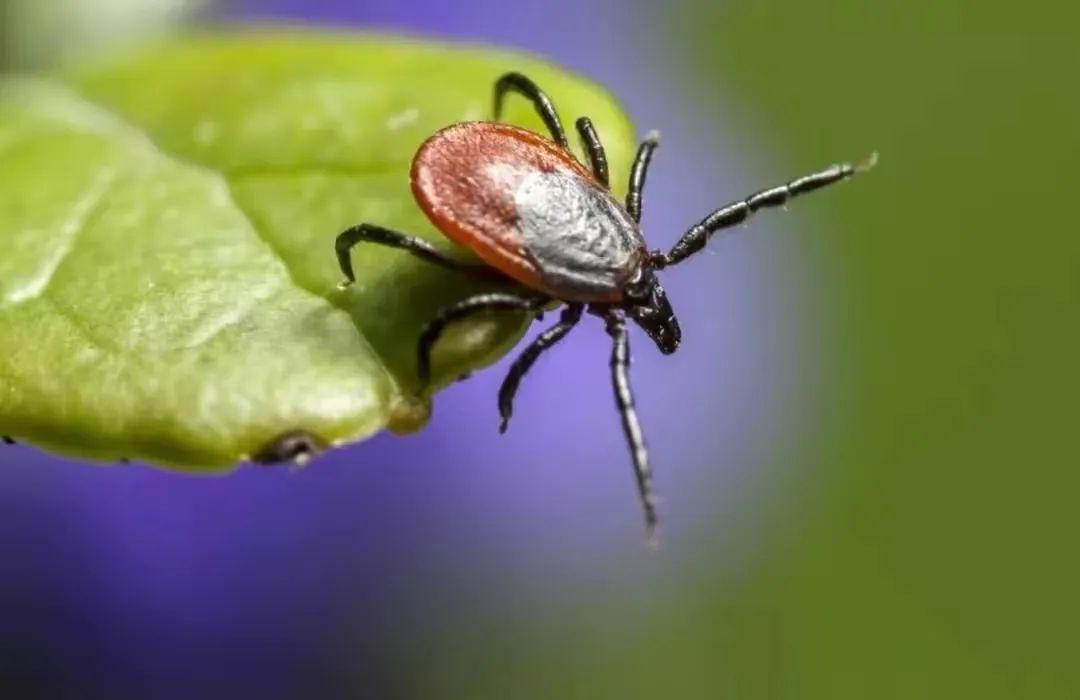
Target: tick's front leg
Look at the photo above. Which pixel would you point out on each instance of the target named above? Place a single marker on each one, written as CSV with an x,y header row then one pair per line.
x,y
624,399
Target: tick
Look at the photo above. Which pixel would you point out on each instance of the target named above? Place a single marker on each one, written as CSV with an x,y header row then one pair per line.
x,y
549,227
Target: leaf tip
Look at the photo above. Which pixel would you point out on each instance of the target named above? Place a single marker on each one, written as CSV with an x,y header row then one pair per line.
x,y
408,414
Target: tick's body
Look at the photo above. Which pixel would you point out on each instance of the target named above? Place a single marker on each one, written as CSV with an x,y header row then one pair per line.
x,y
549,227
529,209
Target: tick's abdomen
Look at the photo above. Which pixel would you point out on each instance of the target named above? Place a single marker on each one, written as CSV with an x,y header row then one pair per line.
x,y
587,242
528,208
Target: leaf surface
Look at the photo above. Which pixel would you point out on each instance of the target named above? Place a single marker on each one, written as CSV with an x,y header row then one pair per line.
x,y
168,290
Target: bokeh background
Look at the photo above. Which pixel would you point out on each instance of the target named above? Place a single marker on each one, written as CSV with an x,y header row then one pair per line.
x,y
866,445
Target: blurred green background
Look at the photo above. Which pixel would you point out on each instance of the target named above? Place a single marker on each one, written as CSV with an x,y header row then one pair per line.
x,y
919,540
936,557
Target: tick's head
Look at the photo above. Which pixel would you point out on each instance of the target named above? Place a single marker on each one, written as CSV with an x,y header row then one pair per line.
x,y
646,302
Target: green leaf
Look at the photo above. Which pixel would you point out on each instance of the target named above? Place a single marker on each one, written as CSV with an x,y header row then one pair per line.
x,y
168,284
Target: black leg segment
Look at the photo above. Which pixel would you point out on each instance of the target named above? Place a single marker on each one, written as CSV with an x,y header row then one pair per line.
x,y
595,149
570,316
544,107
638,173
480,303
369,233
624,399
696,238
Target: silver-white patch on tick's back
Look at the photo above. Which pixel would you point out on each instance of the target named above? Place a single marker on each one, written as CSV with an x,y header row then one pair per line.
x,y
584,242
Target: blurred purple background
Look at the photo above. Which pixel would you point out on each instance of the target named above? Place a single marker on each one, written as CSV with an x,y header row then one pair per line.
x,y
346,572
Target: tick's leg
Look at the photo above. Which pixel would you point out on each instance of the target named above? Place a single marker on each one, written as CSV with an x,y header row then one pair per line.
x,y
591,141
638,173
295,446
695,239
473,305
369,233
544,107
570,316
624,399
6,440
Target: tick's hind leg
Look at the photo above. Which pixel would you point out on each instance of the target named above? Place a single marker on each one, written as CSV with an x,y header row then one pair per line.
x,y
519,83
370,233
624,399
570,316
473,305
